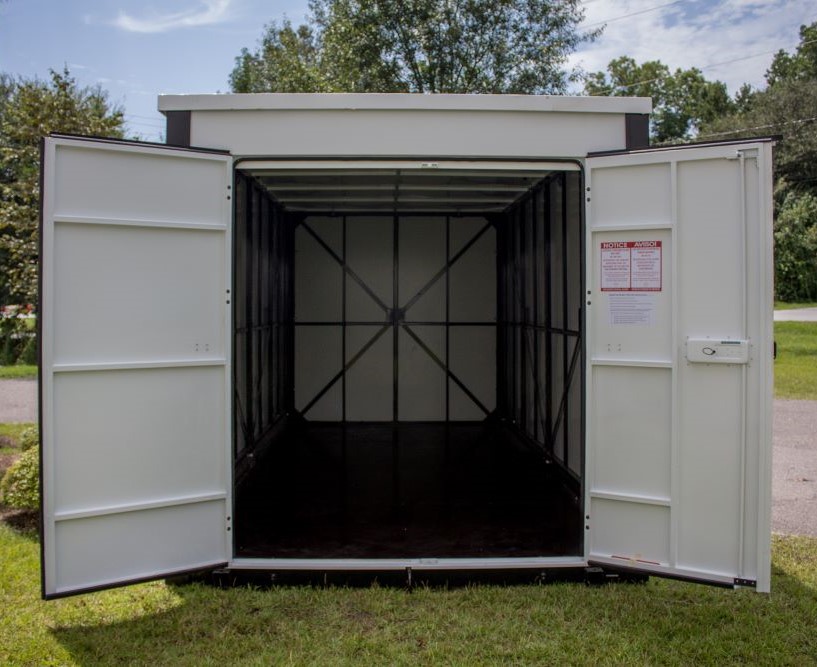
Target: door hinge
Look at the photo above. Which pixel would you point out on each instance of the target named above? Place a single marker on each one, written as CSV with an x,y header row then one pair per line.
x,y
740,581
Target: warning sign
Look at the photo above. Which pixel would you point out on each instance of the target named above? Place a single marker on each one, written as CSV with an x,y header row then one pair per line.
x,y
631,266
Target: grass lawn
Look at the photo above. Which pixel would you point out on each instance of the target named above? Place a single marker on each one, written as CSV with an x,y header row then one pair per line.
x,y
795,369
12,431
661,622
18,372
788,305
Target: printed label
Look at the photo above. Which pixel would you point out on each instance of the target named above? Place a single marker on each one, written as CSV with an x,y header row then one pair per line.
x,y
631,266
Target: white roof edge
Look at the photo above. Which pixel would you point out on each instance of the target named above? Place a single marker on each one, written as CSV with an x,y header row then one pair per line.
x,y
402,101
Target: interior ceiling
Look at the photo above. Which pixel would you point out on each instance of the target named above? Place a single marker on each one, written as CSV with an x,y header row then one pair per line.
x,y
385,190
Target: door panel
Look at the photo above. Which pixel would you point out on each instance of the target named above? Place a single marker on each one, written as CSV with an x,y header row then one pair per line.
x,y
135,423
679,448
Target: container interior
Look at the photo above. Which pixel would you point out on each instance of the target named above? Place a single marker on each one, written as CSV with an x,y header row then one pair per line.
x,y
407,354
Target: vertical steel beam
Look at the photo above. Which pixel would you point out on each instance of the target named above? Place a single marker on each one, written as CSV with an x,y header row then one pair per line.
x,y
447,323
343,331
523,316
535,330
394,314
565,327
548,289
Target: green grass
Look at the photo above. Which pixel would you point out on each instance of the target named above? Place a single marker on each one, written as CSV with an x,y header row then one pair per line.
x,y
662,622
788,305
795,369
9,440
13,430
20,371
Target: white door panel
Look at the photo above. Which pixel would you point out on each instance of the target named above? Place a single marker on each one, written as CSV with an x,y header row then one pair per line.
x,y
135,362
678,449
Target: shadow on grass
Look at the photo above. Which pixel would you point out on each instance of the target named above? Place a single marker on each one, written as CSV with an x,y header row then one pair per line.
x,y
664,622
23,522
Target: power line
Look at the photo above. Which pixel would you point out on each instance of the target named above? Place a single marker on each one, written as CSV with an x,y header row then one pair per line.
x,y
625,16
796,121
148,118
711,65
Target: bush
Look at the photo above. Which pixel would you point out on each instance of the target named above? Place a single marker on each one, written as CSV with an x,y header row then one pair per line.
x,y
29,438
29,354
20,487
795,239
18,338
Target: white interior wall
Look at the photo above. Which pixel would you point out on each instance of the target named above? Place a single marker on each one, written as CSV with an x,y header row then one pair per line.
x,y
370,254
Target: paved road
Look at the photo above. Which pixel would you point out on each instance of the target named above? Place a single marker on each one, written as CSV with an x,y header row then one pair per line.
x,y
794,475
794,467
796,315
18,401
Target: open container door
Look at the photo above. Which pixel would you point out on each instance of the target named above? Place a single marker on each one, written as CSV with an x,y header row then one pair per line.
x,y
679,362
135,362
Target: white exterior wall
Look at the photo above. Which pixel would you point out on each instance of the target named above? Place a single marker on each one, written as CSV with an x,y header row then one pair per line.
x,y
496,126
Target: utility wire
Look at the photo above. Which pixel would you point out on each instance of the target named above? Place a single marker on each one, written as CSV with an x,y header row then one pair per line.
x,y
625,16
710,66
797,121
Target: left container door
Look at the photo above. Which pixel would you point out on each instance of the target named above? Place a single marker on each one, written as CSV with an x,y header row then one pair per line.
x,y
135,362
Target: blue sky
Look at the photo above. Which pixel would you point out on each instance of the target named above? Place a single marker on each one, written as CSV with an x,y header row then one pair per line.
x,y
139,49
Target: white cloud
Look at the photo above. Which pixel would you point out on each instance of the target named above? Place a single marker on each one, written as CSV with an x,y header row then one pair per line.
x,y
696,33
207,13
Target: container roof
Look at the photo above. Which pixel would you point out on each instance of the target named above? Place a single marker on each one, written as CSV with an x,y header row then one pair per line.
x,y
404,101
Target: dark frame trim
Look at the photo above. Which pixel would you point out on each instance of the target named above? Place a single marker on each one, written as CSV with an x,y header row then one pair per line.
x,y
177,128
636,130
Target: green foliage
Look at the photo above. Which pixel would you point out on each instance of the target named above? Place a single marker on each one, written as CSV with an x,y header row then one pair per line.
x,y
424,46
286,60
795,238
14,431
795,369
682,100
32,109
20,486
18,341
30,437
787,107
799,66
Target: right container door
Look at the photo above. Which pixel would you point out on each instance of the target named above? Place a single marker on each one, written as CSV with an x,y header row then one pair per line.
x,y
679,361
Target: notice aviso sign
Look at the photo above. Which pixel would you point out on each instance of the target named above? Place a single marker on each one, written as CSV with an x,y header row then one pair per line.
x,y
628,267
631,266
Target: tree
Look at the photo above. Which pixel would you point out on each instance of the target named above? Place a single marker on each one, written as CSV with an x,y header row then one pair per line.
x,y
799,66
32,109
795,248
682,100
425,46
786,107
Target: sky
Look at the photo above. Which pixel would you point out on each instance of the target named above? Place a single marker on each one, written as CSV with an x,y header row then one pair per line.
x,y
138,49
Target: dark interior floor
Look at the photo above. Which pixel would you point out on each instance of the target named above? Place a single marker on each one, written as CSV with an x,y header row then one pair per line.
x,y
409,490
